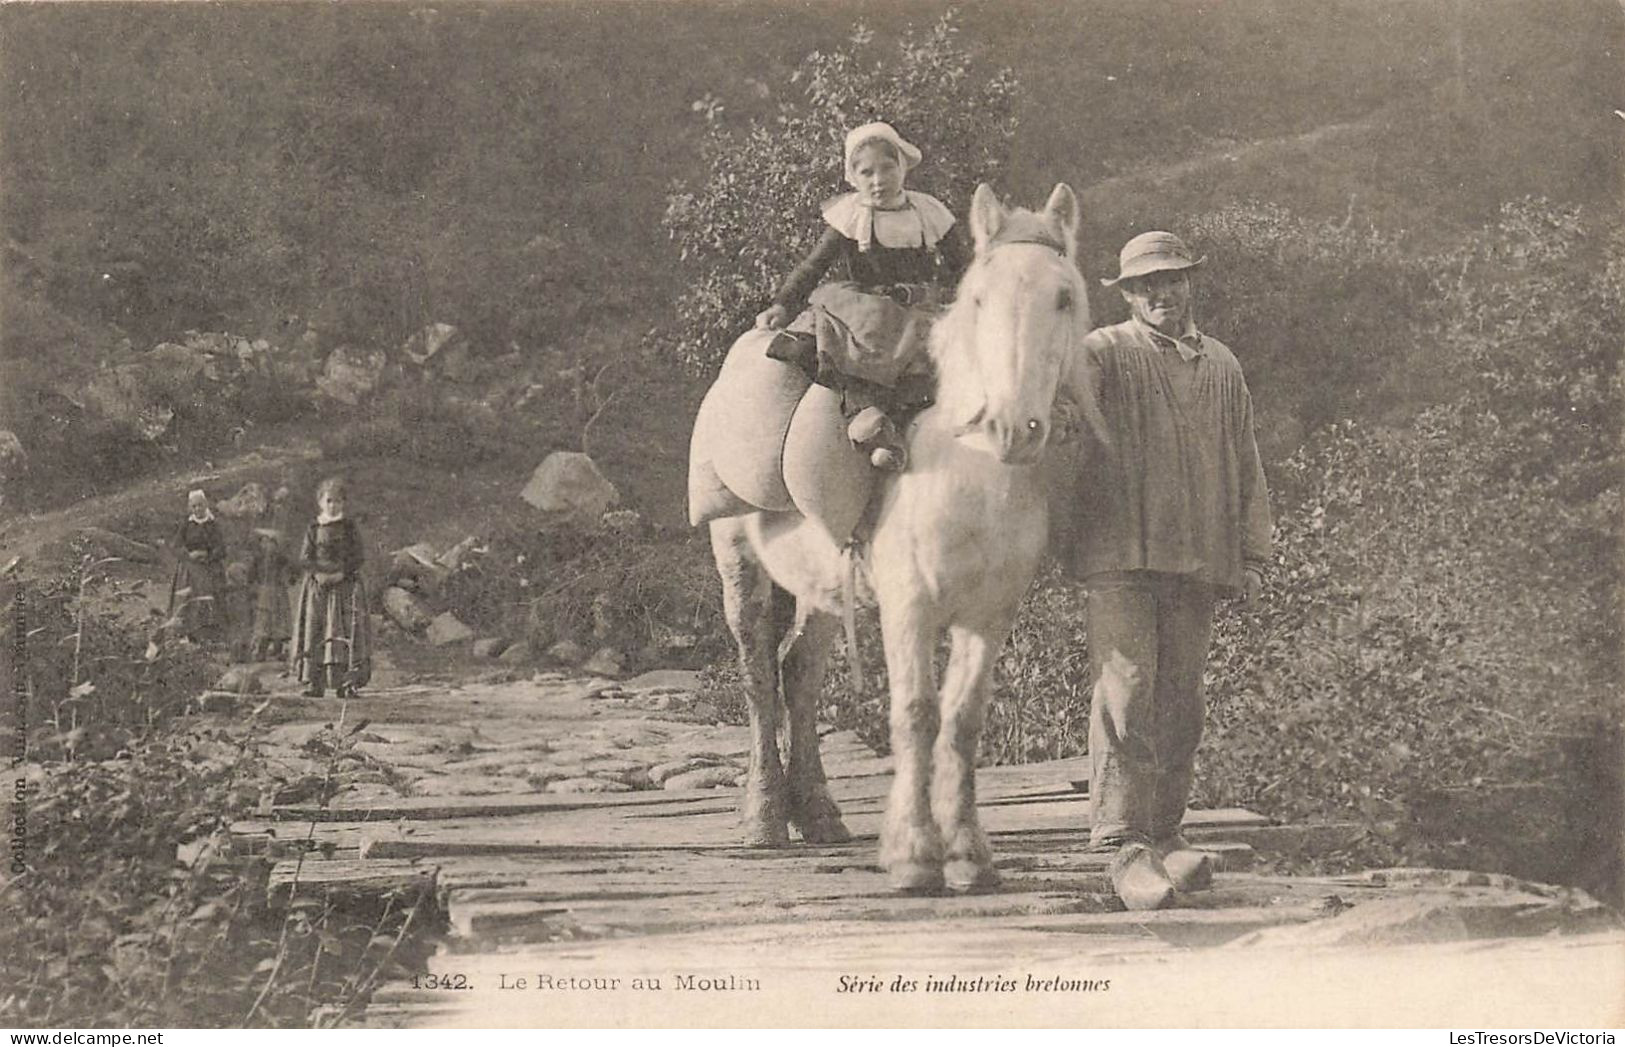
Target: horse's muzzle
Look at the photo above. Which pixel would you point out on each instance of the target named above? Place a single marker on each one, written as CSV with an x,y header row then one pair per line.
x,y
1021,443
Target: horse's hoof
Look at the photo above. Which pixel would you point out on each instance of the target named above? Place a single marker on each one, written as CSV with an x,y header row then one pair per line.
x,y
916,879
825,831
969,877
766,834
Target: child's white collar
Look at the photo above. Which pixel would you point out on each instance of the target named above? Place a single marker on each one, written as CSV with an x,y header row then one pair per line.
x,y
323,518
920,222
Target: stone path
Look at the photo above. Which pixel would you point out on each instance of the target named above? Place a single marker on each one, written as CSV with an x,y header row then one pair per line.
x,y
577,838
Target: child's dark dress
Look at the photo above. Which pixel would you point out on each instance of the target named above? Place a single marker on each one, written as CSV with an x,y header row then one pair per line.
x,y
268,574
915,255
332,639
197,588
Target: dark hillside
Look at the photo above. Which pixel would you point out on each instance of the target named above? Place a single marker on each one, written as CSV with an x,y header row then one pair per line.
x,y
371,165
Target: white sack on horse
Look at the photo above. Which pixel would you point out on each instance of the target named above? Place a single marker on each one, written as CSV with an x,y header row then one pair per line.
x,y
766,438
739,431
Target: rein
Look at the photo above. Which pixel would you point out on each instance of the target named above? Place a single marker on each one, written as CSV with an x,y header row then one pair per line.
x,y
1041,238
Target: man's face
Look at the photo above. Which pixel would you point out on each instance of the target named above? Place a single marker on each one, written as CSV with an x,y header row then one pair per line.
x,y
1160,300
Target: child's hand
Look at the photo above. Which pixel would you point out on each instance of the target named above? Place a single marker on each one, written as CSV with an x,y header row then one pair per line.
x,y
198,554
773,317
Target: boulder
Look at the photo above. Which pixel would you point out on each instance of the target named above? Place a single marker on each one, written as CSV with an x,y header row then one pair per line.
x,y
520,653
351,375
606,661
567,483
125,395
567,652
587,785
241,679
661,772
489,646
453,558
250,503
457,364
177,365
446,629
13,459
422,346
665,680
415,567
720,777
404,610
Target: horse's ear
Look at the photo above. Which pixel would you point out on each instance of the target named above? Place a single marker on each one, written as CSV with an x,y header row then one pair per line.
x,y
1063,208
986,216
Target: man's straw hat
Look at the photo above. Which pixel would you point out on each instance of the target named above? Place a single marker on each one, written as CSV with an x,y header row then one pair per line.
x,y
1153,252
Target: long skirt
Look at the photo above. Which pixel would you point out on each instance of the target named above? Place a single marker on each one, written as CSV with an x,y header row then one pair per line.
x,y
196,592
273,619
332,638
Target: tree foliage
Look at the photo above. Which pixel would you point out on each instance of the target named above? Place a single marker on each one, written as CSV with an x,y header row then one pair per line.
x,y
754,212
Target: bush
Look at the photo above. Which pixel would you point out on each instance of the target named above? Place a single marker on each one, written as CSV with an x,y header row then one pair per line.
x,y
1324,317
754,215
624,586
130,910
419,424
1445,607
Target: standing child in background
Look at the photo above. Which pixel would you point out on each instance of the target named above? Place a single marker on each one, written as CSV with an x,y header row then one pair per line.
x,y
197,587
269,575
883,240
332,643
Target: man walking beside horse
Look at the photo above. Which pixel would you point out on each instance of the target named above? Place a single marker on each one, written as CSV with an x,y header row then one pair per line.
x,y
1174,514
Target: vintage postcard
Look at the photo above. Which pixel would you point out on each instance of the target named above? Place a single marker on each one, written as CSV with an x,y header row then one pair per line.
x,y
765,514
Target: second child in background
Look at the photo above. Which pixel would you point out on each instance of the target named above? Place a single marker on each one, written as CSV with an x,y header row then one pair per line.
x,y
270,574
332,642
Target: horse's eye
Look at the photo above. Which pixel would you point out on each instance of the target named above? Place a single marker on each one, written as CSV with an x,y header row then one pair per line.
x,y
1063,299
976,300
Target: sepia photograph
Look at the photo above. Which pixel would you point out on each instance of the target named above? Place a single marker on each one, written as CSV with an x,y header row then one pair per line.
x,y
785,514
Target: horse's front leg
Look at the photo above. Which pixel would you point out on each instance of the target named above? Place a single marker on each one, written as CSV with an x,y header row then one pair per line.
x,y
965,688
805,652
747,603
910,845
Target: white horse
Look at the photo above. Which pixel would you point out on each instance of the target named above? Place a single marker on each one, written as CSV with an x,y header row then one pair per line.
x,y
957,539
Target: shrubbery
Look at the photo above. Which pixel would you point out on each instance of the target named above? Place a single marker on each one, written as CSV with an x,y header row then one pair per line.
x,y
622,585
755,214
418,423
131,910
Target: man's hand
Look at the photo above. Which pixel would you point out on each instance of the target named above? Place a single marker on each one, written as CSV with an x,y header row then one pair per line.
x,y
1252,593
773,317
1064,417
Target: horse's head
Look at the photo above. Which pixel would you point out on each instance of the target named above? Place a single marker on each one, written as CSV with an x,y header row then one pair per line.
x,y
1021,306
